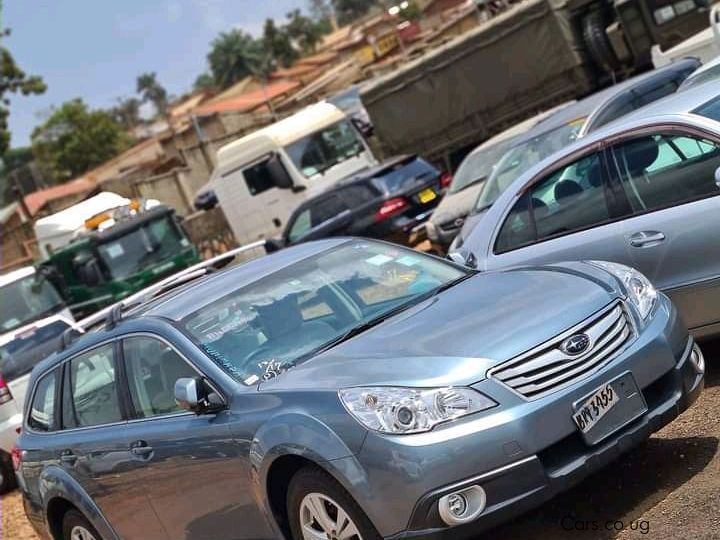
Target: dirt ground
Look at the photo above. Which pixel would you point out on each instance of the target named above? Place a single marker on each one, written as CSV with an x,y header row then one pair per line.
x,y
667,488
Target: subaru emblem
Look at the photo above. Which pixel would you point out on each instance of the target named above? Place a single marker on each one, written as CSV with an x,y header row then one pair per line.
x,y
577,344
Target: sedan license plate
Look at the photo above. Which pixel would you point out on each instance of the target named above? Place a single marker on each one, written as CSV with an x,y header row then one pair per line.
x,y
427,195
590,412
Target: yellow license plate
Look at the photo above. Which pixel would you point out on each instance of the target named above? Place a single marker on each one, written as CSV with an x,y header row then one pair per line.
x,y
426,195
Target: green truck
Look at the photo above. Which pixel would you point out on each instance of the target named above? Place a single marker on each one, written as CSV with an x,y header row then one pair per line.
x,y
104,264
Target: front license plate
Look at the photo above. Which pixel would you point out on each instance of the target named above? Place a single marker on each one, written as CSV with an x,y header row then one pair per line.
x,y
590,412
427,195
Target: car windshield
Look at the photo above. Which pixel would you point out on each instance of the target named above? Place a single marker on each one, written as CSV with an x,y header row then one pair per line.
x,y
154,242
522,157
477,166
319,151
19,356
710,74
27,300
256,332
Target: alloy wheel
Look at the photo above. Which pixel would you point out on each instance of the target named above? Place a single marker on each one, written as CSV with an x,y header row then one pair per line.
x,y
321,518
81,533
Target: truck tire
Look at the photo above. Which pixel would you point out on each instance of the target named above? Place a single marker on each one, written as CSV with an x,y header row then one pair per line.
x,y
597,42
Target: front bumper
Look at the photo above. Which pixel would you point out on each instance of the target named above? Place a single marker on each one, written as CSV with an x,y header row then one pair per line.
x,y
525,452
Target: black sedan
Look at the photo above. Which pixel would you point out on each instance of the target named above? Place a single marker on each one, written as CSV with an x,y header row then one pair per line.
x,y
386,202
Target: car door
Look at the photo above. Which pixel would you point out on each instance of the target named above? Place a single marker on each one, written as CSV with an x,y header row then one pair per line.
x,y
572,213
673,234
197,483
93,447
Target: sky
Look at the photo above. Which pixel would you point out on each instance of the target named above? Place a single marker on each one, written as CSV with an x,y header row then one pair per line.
x,y
95,49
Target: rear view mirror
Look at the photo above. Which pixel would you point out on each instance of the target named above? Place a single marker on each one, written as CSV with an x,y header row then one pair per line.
x,y
195,395
279,174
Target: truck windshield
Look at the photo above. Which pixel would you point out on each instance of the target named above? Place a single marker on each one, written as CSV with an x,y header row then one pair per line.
x,y
27,300
154,242
319,151
522,157
19,356
257,331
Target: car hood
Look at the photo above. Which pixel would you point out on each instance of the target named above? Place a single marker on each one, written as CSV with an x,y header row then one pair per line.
x,y
456,205
455,337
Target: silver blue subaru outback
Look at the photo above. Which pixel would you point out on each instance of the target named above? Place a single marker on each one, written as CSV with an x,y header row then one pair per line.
x,y
348,390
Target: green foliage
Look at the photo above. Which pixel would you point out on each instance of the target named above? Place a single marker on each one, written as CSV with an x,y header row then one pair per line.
x,y
127,112
277,45
306,32
233,56
204,81
74,140
13,80
349,10
151,90
15,158
320,10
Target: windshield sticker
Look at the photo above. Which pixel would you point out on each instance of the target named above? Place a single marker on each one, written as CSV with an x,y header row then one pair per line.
x,y
379,260
271,369
252,379
407,260
115,250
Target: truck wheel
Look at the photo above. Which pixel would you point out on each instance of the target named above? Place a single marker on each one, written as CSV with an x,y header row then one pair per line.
x,y
318,507
76,527
597,42
8,482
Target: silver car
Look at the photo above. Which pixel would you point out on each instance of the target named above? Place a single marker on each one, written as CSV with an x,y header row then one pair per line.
x,y
643,191
349,390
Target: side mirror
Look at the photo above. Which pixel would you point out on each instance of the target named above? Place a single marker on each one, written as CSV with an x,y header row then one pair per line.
x,y
89,272
274,244
456,257
279,174
717,177
366,129
193,394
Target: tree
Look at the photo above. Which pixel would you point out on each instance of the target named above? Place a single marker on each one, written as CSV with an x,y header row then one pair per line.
x,y
74,140
320,10
151,90
277,44
306,32
232,57
204,81
13,80
349,10
127,112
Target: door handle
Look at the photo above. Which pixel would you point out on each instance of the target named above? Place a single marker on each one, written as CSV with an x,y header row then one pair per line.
x,y
68,457
141,449
646,238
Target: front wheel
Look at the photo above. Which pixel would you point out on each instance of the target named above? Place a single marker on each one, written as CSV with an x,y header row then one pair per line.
x,y
77,527
7,473
320,509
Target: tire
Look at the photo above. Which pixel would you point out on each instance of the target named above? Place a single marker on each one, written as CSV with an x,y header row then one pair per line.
x,y
77,527
311,485
8,482
597,42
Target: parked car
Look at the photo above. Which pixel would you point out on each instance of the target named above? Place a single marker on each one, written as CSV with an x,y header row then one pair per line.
x,y
468,180
385,202
313,394
710,71
570,123
642,192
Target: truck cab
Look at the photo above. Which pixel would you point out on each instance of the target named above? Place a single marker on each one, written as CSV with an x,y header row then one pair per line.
x,y
106,263
262,177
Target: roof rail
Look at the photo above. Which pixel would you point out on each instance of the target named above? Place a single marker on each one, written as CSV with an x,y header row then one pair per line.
x,y
111,315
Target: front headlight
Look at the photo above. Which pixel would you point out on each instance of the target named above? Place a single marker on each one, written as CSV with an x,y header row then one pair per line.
x,y
399,410
640,292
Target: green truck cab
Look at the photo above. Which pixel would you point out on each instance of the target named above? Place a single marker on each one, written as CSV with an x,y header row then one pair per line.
x,y
103,266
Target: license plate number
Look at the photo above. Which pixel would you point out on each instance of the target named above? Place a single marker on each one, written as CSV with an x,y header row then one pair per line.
x,y
596,406
426,195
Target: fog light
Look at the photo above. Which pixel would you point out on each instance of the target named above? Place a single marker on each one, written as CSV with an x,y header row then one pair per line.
x,y
462,506
697,359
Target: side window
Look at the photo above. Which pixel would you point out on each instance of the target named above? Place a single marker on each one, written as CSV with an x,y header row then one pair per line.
x,y
300,226
92,382
571,199
258,178
356,195
152,369
325,209
42,410
664,170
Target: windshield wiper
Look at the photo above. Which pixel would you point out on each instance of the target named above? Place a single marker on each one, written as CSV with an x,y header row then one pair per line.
x,y
471,183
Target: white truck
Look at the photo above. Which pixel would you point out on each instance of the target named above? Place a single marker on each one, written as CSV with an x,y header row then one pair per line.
x,y
33,318
704,45
260,178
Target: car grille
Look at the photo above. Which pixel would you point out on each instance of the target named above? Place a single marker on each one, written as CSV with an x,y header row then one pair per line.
x,y
547,368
